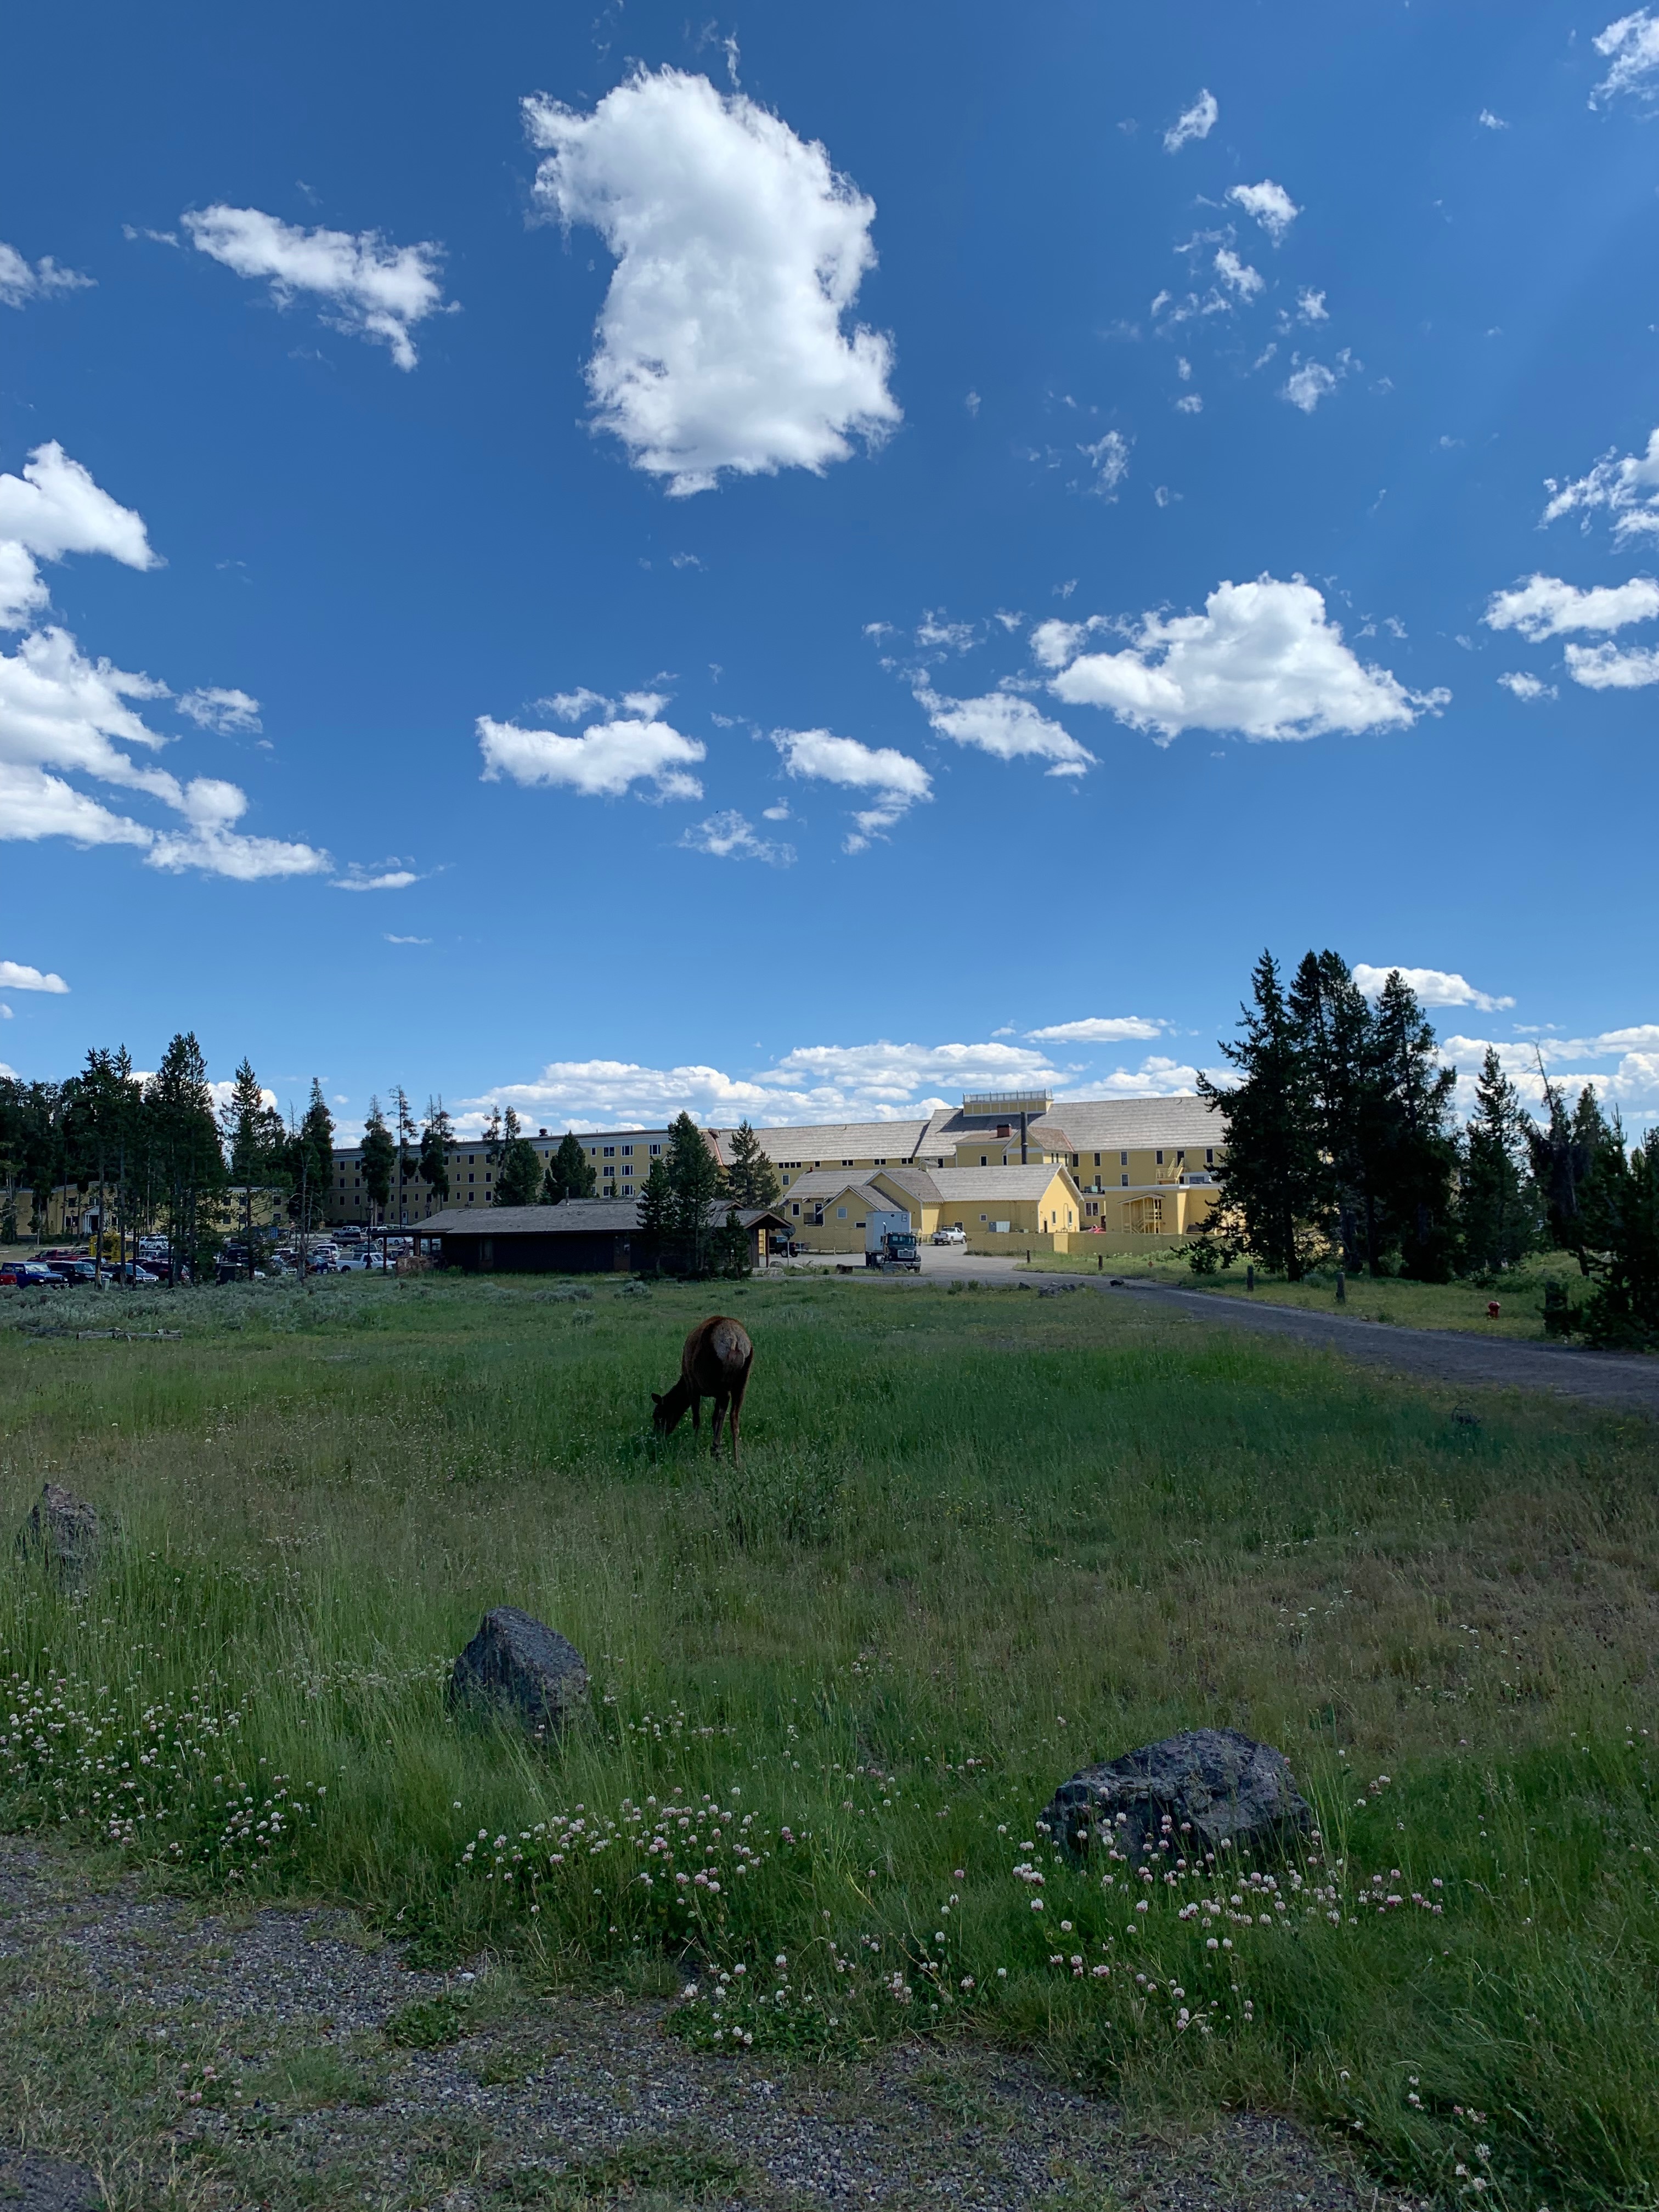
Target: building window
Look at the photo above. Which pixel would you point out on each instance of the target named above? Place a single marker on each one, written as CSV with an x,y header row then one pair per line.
x,y
1160,1159
846,1164
1097,1159
611,1153
1209,1155
655,1149
1123,1160
982,1216
1126,1183
840,1214
983,1162
794,1209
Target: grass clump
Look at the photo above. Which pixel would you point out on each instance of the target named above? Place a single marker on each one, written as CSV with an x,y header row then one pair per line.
x,y
975,1542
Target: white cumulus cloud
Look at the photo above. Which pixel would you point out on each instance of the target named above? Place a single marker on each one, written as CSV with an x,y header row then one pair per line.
x,y
1308,383
739,253
63,714
1010,727
1524,687
1435,987
731,836
1195,122
1099,1029
1544,606
52,509
231,713
1632,44
1237,275
1263,658
22,280
1607,668
1626,485
385,877
372,288
897,781
1109,457
15,975
601,763
1270,205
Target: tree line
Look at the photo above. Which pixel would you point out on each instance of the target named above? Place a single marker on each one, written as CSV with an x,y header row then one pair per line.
x,y
153,1155
1343,1144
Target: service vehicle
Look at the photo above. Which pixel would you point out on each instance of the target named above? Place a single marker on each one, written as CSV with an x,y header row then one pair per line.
x,y
889,1243
949,1237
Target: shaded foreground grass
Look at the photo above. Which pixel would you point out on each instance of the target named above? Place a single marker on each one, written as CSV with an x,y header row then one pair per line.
x,y
977,1540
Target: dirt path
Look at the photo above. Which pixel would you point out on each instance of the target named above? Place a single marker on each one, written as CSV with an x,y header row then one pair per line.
x,y
1625,1383
157,2053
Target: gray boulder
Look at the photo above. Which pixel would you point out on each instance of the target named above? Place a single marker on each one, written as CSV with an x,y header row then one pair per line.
x,y
1191,1793
62,1531
523,1669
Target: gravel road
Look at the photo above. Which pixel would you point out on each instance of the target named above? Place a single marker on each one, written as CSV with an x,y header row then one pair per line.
x,y
117,2007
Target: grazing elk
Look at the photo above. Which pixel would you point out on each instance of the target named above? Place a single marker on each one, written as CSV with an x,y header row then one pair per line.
x,y
714,1364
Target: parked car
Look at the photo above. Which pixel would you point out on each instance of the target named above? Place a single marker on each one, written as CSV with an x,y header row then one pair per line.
x,y
74,1271
949,1237
30,1275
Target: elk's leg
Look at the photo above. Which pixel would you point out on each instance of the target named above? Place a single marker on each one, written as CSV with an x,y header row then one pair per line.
x,y
735,1415
696,1413
719,1408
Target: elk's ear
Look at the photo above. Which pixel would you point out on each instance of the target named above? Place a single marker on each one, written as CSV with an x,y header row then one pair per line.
x,y
656,1397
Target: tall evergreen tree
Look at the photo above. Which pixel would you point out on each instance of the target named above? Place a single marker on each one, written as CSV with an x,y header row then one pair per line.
x,y
1270,1175
436,1137
406,1138
310,1162
694,1180
656,1210
1565,1157
518,1166
1333,1024
379,1161
569,1172
1621,1221
254,1141
1497,1207
750,1179
1417,1162
184,1133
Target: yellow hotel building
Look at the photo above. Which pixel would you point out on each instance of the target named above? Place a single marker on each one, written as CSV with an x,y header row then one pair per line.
x,y
1122,1167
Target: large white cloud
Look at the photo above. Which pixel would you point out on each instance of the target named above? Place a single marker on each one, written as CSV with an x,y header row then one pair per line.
x,y
740,253
898,782
16,976
1007,725
1099,1029
1632,44
1435,987
1270,203
1263,658
601,764
1632,1084
63,714
1544,606
1607,668
52,509
22,280
1625,485
373,289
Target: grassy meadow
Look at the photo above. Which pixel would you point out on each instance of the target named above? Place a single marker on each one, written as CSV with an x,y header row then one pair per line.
x,y
1518,1293
977,1540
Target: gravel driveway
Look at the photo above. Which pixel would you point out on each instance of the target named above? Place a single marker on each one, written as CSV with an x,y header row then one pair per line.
x,y
119,2008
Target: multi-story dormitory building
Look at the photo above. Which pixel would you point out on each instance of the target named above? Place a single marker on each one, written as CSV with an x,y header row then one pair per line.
x,y
998,1166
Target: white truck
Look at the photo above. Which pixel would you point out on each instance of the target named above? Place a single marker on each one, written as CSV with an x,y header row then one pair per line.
x,y
889,1243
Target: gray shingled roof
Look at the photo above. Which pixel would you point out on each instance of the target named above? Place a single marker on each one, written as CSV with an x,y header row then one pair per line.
x,y
834,1141
574,1217
956,1186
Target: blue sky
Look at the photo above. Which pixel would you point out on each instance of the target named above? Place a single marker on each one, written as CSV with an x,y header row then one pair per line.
x,y
801,562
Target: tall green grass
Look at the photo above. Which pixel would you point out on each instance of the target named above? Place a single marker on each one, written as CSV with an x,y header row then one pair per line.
x,y
977,1540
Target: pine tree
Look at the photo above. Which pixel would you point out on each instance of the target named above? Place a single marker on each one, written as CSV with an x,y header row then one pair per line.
x,y
693,1179
1623,1220
183,1131
380,1158
655,1215
436,1137
1565,1155
518,1166
1270,1177
1497,1207
252,1132
311,1163
1333,1028
569,1172
752,1179
1416,1158
404,1133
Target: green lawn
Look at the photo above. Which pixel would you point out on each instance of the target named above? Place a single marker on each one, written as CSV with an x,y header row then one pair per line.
x,y
1519,1295
977,1540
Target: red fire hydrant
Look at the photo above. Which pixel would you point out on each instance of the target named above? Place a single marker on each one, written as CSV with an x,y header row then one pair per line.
x,y
1492,1310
